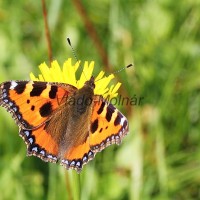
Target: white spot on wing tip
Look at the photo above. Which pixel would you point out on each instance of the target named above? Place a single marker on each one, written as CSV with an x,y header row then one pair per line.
x,y
31,140
13,85
27,133
122,121
42,152
35,149
50,156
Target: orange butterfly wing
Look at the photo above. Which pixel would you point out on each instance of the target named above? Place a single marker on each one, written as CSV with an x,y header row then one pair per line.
x,y
40,144
77,156
31,103
108,126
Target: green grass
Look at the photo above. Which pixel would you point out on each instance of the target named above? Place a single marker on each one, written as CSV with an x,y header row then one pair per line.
x,y
160,158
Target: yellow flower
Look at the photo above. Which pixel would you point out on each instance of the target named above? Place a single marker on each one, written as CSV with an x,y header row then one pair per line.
x,y
68,75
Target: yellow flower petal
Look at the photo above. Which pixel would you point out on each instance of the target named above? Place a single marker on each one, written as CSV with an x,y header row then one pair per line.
x,y
68,75
69,72
41,77
57,75
100,75
32,77
101,84
112,91
86,74
45,70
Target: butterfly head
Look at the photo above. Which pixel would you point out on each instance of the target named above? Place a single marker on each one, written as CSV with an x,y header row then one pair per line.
x,y
90,83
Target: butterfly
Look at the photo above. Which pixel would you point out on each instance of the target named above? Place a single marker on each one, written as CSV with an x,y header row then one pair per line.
x,y
60,123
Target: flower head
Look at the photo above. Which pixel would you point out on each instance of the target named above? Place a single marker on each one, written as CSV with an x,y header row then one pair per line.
x,y
68,75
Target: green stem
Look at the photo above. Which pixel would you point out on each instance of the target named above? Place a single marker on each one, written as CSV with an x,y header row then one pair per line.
x,y
73,183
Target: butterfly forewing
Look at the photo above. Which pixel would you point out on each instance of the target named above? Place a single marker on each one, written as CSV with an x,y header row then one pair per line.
x,y
108,125
31,103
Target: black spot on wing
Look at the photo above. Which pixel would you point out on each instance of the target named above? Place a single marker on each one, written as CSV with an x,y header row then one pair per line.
x,y
94,125
109,112
20,87
38,88
53,92
32,108
111,107
118,119
7,85
125,124
46,109
101,108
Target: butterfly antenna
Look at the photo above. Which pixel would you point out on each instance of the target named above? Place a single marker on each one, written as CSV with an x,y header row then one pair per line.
x,y
129,65
74,53
116,72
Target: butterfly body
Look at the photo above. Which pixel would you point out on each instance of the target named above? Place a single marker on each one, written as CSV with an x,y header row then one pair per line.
x,y
72,119
59,122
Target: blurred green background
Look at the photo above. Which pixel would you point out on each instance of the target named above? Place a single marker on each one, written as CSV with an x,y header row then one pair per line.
x,y
160,158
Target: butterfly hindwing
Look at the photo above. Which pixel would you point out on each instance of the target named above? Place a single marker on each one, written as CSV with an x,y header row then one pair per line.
x,y
78,155
40,143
